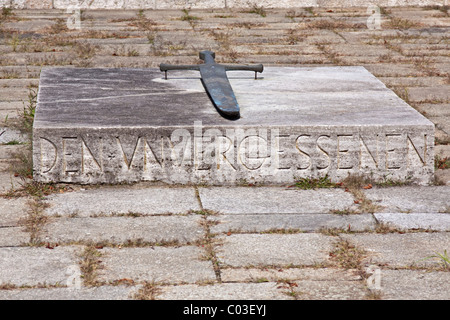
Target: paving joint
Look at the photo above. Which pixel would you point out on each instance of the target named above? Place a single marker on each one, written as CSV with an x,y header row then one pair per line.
x,y
253,236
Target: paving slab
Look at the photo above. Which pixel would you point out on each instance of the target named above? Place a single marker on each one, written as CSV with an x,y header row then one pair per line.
x,y
70,293
291,274
443,176
8,181
32,266
302,222
434,110
160,264
122,230
8,135
12,210
13,236
330,290
407,221
224,291
305,249
432,199
273,200
435,93
123,200
414,285
411,249
394,70
442,123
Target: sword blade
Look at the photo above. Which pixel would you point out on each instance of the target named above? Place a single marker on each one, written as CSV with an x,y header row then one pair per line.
x,y
218,87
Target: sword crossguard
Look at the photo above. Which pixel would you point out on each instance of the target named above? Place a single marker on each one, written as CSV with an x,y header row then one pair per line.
x,y
209,58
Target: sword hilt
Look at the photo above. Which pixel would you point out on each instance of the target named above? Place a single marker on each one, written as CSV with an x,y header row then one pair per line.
x,y
255,67
208,57
165,67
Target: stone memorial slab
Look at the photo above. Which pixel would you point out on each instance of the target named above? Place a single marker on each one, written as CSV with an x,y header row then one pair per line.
x,y
127,125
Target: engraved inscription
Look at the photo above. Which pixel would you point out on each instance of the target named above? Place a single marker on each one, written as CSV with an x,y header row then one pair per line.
x,y
323,144
368,152
394,151
48,155
303,146
71,155
89,162
233,153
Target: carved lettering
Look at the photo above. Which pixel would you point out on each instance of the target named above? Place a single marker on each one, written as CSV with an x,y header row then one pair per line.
x,y
301,143
282,146
199,163
324,162
127,156
89,162
71,156
181,152
150,159
394,155
417,151
253,152
222,153
368,156
346,154
225,152
49,155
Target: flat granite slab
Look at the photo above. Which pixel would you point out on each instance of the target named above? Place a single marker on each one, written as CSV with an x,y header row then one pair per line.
x,y
129,125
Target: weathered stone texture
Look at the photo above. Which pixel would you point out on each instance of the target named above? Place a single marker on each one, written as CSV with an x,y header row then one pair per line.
x,y
206,4
128,125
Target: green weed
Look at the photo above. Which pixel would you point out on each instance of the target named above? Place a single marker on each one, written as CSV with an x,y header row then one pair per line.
x,y
311,183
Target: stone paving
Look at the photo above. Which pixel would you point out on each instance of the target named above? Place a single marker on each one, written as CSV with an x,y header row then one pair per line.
x,y
150,241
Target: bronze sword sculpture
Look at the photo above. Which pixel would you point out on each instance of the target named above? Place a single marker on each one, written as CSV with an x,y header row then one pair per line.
x,y
215,81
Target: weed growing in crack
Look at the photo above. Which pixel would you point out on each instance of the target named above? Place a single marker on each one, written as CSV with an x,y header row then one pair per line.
x,y
209,245
148,291
311,183
441,163
289,288
259,10
90,265
347,255
35,220
442,258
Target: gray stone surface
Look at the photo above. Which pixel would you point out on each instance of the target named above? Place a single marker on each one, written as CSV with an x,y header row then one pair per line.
x,y
411,199
123,200
12,210
160,264
303,249
94,293
428,221
410,249
9,135
414,285
201,4
225,291
303,222
269,200
330,290
13,236
443,176
120,230
108,125
32,266
291,274
8,181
